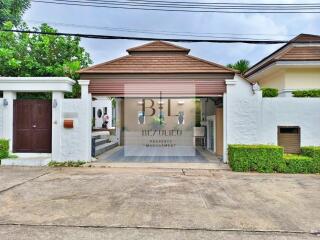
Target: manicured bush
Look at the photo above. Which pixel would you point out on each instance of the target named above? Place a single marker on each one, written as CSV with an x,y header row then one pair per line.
x,y
260,158
4,148
298,164
313,152
306,93
270,158
270,92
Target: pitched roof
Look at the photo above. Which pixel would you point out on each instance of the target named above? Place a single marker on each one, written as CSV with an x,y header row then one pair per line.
x,y
158,57
158,46
304,51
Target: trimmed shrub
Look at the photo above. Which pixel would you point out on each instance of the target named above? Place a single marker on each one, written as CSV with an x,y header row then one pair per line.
x,y
260,158
270,158
313,152
298,164
306,93
4,148
270,92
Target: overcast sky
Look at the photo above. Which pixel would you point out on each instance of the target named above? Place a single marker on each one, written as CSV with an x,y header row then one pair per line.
x,y
275,26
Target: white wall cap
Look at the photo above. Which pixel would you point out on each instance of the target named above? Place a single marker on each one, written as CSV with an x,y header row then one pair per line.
x,y
84,82
231,81
36,84
36,79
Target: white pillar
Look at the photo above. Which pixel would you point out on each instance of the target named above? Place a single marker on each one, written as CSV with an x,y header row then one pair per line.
x,y
86,100
226,109
8,97
225,145
57,125
118,119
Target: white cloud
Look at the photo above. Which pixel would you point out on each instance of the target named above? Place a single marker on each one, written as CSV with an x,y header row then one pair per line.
x,y
101,50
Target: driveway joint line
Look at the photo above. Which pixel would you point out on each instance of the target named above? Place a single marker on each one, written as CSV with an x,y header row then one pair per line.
x,y
159,228
21,183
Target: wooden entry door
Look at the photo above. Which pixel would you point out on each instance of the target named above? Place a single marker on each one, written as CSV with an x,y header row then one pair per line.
x,y
32,126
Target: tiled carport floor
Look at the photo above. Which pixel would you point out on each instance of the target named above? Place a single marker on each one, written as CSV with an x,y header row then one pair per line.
x,y
117,155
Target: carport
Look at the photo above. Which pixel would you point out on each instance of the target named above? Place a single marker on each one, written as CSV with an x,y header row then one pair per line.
x,y
159,89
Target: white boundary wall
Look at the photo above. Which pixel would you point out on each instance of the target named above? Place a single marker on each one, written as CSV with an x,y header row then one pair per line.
x,y
67,144
72,144
251,119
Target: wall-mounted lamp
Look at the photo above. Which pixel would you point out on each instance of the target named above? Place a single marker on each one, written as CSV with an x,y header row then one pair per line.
x,y
5,102
160,102
54,103
181,102
140,102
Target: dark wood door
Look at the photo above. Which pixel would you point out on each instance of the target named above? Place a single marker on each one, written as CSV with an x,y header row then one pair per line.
x,y
32,126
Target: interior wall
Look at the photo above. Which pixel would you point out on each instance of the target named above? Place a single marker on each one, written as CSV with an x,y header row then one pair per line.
x,y
101,103
219,131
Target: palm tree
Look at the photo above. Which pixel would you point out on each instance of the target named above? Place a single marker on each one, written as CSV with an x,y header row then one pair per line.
x,y
242,65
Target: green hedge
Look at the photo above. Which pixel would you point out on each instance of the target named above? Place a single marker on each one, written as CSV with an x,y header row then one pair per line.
x,y
298,164
260,158
270,158
270,92
4,148
306,93
313,152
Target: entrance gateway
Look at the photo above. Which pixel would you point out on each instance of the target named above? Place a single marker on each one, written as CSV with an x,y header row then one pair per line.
x,y
32,126
167,104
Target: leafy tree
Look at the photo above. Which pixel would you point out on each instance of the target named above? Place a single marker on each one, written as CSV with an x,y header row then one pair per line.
x,y
25,55
12,10
242,65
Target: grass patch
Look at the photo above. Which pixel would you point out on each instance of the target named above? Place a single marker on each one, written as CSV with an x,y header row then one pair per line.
x,y
66,164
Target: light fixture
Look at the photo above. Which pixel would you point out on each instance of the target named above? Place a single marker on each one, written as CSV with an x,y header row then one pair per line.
x,y
181,102
140,102
5,102
54,103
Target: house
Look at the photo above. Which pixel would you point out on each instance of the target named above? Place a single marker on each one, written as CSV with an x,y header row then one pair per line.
x,y
295,66
170,107
158,70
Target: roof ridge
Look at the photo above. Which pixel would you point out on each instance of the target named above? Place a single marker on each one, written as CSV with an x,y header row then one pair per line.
x,y
141,47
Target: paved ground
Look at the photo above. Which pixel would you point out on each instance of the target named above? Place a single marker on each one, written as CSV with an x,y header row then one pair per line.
x,y
102,203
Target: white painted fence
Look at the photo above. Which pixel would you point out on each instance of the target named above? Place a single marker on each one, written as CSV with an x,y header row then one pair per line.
x,y
252,119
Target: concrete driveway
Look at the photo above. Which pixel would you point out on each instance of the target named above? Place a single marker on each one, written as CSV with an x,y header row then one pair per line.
x,y
103,203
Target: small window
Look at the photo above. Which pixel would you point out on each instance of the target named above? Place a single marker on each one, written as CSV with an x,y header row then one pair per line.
x,y
105,110
289,139
293,130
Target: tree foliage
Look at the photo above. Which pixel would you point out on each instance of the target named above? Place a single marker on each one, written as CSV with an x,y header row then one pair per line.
x,y
26,55
12,10
242,65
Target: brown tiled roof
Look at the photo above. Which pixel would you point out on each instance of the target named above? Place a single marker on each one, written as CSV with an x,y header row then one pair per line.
x,y
155,62
306,38
158,46
301,53
289,52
